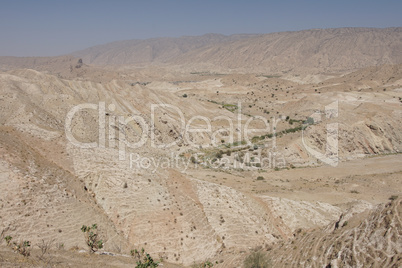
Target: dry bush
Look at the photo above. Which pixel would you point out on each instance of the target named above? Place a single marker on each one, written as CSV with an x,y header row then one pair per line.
x,y
44,248
257,260
4,237
23,248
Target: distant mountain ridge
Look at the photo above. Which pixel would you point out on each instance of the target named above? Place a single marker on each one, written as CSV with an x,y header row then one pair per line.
x,y
159,50
336,49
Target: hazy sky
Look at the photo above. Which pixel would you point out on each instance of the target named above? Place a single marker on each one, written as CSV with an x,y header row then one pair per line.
x,y
48,28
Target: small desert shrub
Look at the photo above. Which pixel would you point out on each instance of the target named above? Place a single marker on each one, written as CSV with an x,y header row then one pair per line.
x,y
144,260
23,248
309,121
60,246
44,247
257,260
393,197
8,239
92,238
260,178
219,154
2,235
206,264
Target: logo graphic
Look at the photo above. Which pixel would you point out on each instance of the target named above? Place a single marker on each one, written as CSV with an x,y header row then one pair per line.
x,y
331,153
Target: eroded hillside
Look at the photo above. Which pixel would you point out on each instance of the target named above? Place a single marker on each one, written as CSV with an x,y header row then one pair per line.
x,y
114,151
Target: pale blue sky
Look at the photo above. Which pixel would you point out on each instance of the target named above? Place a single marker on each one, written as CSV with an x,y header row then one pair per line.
x,y
55,27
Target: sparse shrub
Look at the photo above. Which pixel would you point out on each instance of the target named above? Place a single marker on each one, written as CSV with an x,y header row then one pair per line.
x,y
206,264
184,95
125,185
393,197
23,248
60,246
2,235
92,238
44,248
219,154
257,260
309,121
354,192
144,260
8,239
260,178
345,224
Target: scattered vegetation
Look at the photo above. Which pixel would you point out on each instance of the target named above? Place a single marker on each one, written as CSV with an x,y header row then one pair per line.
x,y
44,247
92,238
230,107
206,264
393,197
23,248
309,121
8,239
143,259
219,154
257,260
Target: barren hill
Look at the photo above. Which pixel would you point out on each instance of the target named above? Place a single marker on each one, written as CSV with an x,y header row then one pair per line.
x,y
155,50
370,239
182,214
40,63
226,161
315,50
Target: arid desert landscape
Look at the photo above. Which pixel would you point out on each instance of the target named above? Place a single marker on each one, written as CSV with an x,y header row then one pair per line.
x,y
213,150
